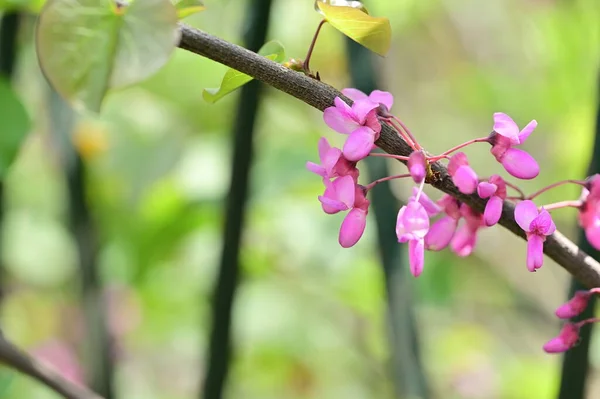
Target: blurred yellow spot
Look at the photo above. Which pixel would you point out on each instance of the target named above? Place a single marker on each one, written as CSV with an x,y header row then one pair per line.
x,y
90,139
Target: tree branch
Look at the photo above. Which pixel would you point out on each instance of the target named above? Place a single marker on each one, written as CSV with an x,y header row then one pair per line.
x,y
19,360
320,95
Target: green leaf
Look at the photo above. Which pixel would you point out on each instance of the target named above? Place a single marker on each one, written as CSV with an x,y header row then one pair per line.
x,y
371,32
346,3
15,125
233,79
185,8
85,47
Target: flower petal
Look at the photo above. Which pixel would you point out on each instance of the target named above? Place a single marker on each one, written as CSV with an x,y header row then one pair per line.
x,y
574,306
463,241
345,190
520,164
352,227
543,223
362,108
354,94
493,210
457,160
566,339
359,144
430,206
412,222
485,189
417,166
440,233
416,256
465,179
324,148
339,121
535,252
318,169
592,233
330,205
525,212
505,126
382,97
527,131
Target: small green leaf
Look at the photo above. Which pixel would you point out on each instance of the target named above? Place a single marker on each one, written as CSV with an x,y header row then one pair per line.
x,y
371,32
185,8
233,79
85,47
15,125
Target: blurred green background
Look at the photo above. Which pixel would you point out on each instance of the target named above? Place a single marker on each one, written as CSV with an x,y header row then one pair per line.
x,y
310,316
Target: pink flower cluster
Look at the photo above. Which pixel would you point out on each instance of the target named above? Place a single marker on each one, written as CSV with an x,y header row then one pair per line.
x,y
425,224
569,334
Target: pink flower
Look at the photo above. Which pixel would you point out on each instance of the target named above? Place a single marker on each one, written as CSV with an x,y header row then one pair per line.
x,y
430,206
339,195
359,121
506,134
384,99
333,164
566,339
417,166
463,176
495,190
575,305
441,232
537,225
465,238
412,225
589,213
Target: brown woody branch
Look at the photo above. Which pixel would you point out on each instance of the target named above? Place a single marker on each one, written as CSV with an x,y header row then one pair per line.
x,y
19,360
320,95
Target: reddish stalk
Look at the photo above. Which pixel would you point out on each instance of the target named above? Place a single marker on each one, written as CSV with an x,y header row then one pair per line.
x,y
415,145
305,64
560,183
385,155
562,204
384,179
458,147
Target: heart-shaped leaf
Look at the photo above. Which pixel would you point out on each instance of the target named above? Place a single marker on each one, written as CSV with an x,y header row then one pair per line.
x,y
185,8
233,79
373,33
15,125
86,47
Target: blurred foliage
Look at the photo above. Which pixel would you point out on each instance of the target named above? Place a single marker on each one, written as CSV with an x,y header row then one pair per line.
x,y
310,321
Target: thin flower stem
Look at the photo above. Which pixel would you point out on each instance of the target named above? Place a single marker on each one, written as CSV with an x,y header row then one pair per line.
x,y
560,183
412,138
385,155
517,189
383,179
458,147
587,321
402,133
420,191
562,204
305,64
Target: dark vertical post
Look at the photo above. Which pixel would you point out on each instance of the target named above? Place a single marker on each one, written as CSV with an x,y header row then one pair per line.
x,y
9,30
576,362
97,343
409,378
219,352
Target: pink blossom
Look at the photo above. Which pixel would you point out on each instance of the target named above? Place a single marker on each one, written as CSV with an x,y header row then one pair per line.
x,y
463,176
333,164
417,166
589,212
505,136
465,238
384,99
359,143
339,195
345,119
495,190
537,225
575,305
412,225
441,232
566,339
430,206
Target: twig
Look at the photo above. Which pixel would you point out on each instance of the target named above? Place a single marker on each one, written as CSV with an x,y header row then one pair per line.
x,y
320,95
19,360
